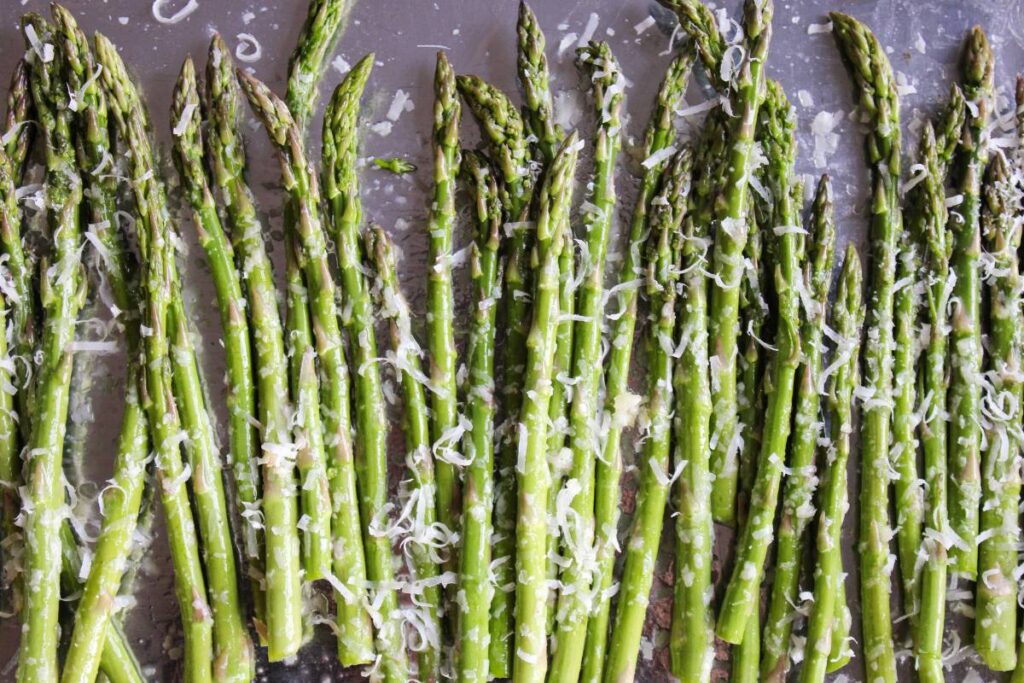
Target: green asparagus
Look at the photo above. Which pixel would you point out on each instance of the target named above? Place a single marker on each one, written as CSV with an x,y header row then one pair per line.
x,y
828,574
577,597
532,67
325,21
616,414
876,94
478,494
965,341
665,248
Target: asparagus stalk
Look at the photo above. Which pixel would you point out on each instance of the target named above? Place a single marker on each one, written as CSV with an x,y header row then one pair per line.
x,y
877,96
325,21
476,551
1018,162
692,634
311,253
62,297
405,355
828,574
20,129
665,248
153,227
965,350
554,201
186,118
745,97
440,318
778,123
341,192
995,627
532,67
576,601
502,128
797,503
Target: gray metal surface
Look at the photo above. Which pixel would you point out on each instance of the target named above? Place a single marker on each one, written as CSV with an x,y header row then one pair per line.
x,y
924,39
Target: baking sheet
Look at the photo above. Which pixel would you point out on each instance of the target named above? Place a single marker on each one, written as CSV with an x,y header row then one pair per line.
x,y
923,39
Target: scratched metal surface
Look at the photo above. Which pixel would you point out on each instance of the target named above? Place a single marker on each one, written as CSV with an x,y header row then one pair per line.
x,y
924,39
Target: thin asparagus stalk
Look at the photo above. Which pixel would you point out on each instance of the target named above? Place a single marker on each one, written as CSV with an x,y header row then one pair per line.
x,y
797,502
778,123
20,128
965,344
62,296
745,90
9,464
502,127
877,96
554,202
665,247
615,412
405,355
576,601
156,391
186,118
828,574
440,316
311,252
341,192
478,492
995,628
532,67
325,21
692,635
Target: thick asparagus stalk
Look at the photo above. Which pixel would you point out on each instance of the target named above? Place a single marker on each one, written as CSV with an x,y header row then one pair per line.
x,y
153,227
62,296
325,20
876,91
554,202
797,504
405,355
502,128
828,573
311,253
440,316
341,192
615,413
478,492
995,627
745,94
778,123
665,247
965,343
576,601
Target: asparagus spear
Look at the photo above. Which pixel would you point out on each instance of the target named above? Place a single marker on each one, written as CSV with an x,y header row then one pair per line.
x,y
554,201
62,297
877,96
692,635
745,96
502,127
965,349
797,504
1018,162
156,390
405,355
186,118
532,67
341,192
311,253
577,598
995,627
18,129
325,20
476,551
665,248
440,318
615,413
778,122
828,574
